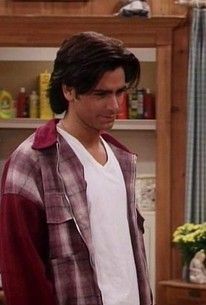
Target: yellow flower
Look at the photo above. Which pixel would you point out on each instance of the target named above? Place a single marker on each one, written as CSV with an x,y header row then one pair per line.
x,y
190,238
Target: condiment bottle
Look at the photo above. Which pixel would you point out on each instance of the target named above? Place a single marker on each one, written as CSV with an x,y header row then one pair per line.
x,y
133,104
33,105
149,105
140,103
21,103
7,105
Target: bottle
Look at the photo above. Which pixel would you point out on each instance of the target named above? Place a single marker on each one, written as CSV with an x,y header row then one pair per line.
x,y
33,104
133,104
123,108
44,106
21,103
140,100
7,105
149,105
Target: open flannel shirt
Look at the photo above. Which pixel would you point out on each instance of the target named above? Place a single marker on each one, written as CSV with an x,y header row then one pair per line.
x,y
45,246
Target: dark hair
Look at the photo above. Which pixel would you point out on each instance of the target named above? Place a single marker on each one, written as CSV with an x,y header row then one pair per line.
x,y
81,62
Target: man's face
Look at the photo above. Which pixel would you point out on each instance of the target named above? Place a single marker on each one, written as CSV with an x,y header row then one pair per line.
x,y
99,108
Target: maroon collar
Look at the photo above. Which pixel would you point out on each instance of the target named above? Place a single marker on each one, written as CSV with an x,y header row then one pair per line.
x,y
46,136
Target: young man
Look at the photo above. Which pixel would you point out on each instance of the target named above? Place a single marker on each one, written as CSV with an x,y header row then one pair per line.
x,y
71,233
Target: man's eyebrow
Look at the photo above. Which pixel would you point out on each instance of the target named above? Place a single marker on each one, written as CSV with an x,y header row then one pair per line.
x,y
109,91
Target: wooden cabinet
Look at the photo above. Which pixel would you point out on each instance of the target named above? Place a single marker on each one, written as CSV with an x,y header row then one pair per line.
x,y
169,36
92,7
177,292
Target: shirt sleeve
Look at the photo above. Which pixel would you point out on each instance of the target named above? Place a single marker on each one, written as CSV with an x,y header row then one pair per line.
x,y
24,248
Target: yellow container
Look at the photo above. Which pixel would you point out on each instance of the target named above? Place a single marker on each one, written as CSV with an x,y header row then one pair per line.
x,y
7,109
44,106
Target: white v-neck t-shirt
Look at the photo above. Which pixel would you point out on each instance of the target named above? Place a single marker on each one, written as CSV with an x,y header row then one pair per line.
x,y
107,203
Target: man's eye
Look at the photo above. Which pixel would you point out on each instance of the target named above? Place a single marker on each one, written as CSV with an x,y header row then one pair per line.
x,y
101,94
120,92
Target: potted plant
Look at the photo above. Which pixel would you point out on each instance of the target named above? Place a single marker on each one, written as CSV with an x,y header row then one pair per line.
x,y
190,238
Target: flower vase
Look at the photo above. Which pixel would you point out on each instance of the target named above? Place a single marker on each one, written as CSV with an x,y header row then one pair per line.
x,y
186,273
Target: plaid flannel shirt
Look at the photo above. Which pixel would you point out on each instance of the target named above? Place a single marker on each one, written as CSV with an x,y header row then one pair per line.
x,y
46,248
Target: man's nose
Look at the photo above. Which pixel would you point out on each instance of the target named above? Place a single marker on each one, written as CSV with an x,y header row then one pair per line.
x,y
114,102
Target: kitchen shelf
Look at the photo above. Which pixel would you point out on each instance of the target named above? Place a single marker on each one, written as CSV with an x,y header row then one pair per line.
x,y
26,123
49,53
135,125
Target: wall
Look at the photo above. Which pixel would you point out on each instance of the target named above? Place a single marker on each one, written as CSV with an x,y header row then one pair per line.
x,y
90,7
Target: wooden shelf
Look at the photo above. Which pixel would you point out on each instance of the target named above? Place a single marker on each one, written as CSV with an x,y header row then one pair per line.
x,y
135,125
180,283
26,123
50,30
49,54
21,123
177,292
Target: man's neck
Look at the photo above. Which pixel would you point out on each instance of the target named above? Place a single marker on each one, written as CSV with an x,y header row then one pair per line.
x,y
92,142
87,136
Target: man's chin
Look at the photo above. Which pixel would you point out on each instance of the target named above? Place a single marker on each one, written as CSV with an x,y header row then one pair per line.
x,y
108,126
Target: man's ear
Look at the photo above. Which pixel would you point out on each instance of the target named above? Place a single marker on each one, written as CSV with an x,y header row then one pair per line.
x,y
69,93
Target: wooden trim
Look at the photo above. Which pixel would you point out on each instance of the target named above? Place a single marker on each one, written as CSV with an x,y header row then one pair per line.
x,y
180,283
52,30
50,1
170,211
163,165
178,137
28,123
